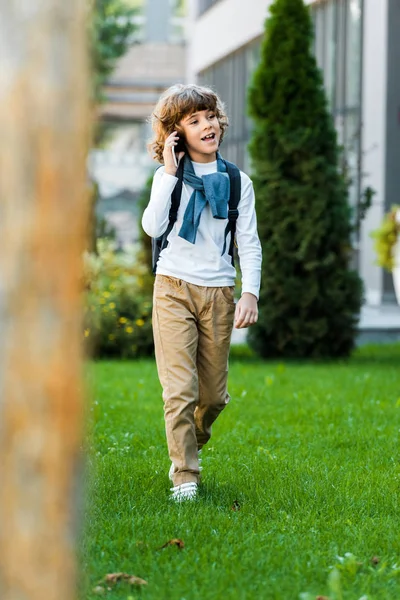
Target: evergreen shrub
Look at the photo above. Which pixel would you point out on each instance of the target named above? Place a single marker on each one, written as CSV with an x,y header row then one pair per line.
x,y
310,299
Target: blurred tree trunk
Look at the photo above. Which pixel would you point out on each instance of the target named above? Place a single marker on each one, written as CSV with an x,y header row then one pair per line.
x,y
44,126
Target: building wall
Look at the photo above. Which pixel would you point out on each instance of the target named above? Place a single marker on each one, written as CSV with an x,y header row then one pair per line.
x,y
152,65
222,29
140,77
155,61
351,46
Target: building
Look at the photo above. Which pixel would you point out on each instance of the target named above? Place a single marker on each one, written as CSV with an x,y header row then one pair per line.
x,y
156,60
357,45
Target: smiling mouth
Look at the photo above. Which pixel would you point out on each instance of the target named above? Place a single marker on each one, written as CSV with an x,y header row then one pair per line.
x,y
208,138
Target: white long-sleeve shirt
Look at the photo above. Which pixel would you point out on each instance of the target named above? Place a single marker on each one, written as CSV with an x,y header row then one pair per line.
x,y
201,263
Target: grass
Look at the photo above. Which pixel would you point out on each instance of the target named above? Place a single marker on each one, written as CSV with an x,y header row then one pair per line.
x,y
308,454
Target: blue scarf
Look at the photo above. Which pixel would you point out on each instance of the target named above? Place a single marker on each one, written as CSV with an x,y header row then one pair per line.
x,y
213,188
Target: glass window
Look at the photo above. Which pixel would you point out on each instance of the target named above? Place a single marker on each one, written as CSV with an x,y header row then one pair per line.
x,y
341,54
331,52
352,145
320,35
353,54
338,49
230,78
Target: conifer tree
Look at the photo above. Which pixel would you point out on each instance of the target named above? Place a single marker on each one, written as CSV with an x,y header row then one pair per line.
x,y
310,299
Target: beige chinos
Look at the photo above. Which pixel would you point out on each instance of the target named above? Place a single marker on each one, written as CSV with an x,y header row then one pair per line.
x,y
192,328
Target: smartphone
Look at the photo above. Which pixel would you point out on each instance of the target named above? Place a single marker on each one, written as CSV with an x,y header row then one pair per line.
x,y
180,147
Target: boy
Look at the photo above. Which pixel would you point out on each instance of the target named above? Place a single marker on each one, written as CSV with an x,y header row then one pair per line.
x,y
194,309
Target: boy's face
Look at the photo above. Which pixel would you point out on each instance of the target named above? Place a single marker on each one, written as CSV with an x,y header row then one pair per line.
x,y
202,133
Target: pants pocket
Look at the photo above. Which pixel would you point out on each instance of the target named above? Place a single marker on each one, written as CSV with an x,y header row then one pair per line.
x,y
166,282
227,294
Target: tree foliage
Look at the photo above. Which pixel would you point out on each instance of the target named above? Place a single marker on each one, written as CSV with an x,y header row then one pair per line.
x,y
112,28
310,299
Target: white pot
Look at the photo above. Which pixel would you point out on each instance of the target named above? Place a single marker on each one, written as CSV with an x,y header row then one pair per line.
x,y
396,269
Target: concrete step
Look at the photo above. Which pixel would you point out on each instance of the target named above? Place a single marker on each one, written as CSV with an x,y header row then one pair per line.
x,y
378,324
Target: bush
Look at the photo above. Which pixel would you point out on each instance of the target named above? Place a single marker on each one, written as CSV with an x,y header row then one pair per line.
x,y
386,237
118,304
310,299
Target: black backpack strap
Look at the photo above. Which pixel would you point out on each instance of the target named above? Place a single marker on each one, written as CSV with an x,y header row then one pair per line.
x,y
160,243
233,212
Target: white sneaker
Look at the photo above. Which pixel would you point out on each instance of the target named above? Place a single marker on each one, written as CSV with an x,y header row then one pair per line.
x,y
172,469
185,491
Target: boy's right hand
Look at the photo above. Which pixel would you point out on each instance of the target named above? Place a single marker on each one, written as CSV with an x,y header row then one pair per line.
x,y
168,156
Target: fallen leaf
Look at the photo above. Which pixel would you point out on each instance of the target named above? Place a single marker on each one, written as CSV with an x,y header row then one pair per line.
x,y
99,590
174,542
113,577
375,560
235,505
132,579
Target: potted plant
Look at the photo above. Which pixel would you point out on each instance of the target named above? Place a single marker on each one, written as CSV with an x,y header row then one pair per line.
x,y
387,246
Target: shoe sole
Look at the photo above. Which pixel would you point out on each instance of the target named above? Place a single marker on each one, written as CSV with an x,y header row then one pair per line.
x,y
184,492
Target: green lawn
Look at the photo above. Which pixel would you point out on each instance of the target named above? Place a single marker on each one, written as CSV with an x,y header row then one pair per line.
x,y
307,453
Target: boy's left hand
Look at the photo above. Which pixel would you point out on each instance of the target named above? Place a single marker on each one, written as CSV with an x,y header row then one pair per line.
x,y
246,312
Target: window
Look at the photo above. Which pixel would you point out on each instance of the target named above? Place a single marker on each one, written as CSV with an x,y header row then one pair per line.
x,y
330,51
353,54
230,78
338,50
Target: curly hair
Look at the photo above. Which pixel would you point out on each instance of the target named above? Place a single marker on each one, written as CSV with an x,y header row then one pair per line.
x,y
174,105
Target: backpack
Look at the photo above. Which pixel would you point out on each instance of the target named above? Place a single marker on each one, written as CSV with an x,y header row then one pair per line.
x,y
158,244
